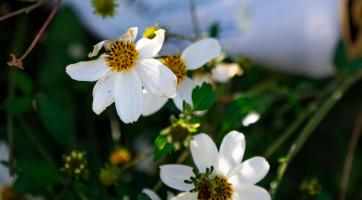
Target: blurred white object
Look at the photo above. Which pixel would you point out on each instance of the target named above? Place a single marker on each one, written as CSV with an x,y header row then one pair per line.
x,y
250,118
296,36
223,72
5,178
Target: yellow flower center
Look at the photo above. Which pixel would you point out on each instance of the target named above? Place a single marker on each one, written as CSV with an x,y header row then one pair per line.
x,y
216,188
121,55
119,157
177,66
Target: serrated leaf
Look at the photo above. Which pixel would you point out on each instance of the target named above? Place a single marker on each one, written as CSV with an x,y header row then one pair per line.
x,y
203,97
57,120
162,147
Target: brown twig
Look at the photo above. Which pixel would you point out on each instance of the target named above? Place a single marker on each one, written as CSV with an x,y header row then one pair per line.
x,y
356,133
22,10
19,62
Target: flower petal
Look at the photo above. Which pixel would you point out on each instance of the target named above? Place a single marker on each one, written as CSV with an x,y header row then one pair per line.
x,y
204,152
156,78
250,171
150,47
97,48
103,93
222,73
184,93
88,70
231,151
128,96
186,196
131,34
151,194
200,53
174,176
251,192
152,103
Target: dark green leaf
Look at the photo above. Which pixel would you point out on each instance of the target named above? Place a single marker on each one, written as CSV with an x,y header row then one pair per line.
x,y
18,105
203,97
143,197
343,63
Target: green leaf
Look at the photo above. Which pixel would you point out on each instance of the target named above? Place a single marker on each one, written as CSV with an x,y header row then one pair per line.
x,y
343,63
162,147
57,120
203,97
18,105
143,197
23,83
214,30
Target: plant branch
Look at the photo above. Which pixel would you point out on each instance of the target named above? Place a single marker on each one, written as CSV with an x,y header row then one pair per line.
x,y
356,133
194,19
19,62
26,9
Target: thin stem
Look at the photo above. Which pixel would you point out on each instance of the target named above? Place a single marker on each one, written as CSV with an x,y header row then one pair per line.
x,y
289,131
41,150
138,159
310,127
356,133
26,9
181,37
19,62
194,19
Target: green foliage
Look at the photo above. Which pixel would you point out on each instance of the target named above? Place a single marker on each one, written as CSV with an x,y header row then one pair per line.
x,y
203,97
18,105
143,197
343,63
57,120
162,147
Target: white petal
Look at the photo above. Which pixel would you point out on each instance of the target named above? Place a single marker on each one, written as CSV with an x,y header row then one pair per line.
x,y
184,93
251,192
224,72
131,34
156,78
204,152
151,194
152,103
174,176
128,96
231,151
185,196
88,70
201,52
250,171
5,178
103,93
150,47
96,48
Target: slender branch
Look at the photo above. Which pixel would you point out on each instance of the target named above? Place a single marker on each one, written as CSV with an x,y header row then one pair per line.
x,y
19,62
26,9
136,160
194,19
357,130
310,127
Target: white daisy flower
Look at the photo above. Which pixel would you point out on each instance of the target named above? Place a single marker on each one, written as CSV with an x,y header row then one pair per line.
x,y
192,58
222,73
221,173
123,71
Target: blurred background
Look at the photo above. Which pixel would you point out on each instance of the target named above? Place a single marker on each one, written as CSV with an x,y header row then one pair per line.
x,y
301,68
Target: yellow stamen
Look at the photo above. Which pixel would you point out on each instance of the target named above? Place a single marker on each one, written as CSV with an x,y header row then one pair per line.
x,y
216,188
121,55
177,66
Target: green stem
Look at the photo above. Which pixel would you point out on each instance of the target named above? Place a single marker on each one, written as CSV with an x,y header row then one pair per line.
x,y
310,127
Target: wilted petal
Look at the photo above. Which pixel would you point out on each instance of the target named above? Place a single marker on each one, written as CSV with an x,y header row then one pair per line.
x,y
97,48
130,35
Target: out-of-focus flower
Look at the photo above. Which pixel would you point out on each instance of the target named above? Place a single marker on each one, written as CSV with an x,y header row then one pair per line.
x,y
250,118
119,157
109,175
74,163
193,57
219,173
310,186
150,32
223,72
104,8
123,71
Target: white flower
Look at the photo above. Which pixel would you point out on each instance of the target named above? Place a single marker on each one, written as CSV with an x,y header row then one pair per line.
x,y
193,57
230,178
123,71
223,72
